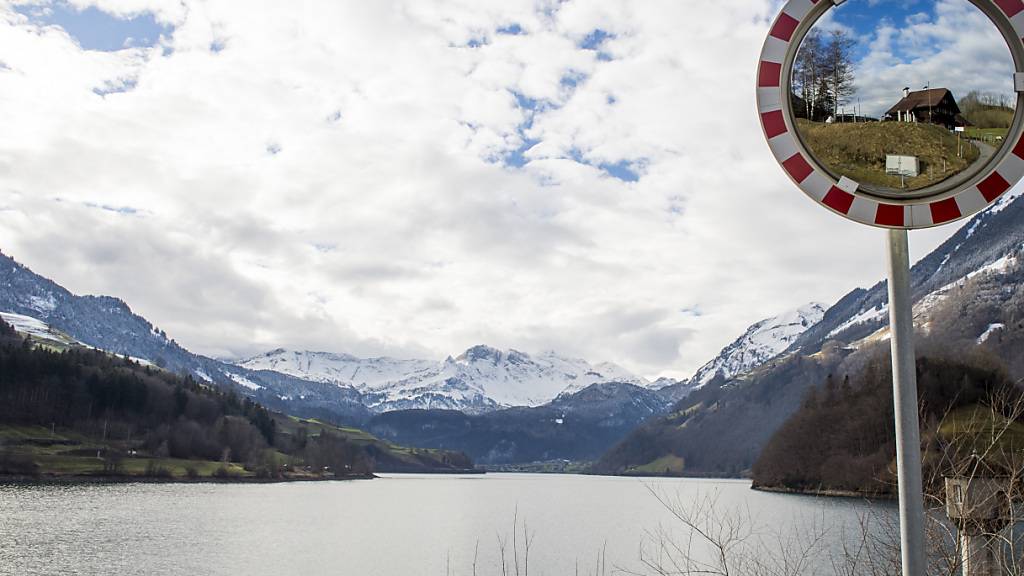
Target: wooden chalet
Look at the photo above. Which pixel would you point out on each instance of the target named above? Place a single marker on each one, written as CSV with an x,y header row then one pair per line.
x,y
933,106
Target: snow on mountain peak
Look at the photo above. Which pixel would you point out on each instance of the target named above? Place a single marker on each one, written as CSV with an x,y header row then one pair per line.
x,y
760,343
480,378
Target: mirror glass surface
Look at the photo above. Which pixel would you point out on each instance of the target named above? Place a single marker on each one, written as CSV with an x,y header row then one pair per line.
x,y
905,98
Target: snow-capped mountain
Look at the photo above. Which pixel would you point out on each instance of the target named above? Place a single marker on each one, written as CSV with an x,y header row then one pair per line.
x,y
361,373
988,243
759,344
480,379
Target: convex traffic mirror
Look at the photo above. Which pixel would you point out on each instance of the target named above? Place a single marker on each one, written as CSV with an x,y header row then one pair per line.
x,y
900,104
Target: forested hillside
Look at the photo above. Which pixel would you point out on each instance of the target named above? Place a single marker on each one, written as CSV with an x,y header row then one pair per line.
x,y
843,437
719,429
970,362
579,426
85,411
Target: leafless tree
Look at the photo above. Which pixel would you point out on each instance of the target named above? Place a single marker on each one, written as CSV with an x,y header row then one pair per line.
x,y
839,66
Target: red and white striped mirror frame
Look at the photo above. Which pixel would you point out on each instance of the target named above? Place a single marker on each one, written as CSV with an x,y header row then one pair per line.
x,y
842,196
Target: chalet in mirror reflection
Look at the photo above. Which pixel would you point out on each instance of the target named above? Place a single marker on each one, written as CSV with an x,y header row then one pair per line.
x,y
903,96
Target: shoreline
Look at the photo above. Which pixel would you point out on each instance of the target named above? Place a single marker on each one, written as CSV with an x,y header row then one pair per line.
x,y
127,479
113,479
823,492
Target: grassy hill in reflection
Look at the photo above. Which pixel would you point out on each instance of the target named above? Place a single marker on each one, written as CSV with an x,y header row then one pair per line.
x,y
858,151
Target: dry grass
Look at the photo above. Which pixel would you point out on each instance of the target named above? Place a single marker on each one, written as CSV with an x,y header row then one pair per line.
x,y
859,150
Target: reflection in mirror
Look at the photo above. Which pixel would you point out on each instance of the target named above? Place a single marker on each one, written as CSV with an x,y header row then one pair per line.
x,y
901,96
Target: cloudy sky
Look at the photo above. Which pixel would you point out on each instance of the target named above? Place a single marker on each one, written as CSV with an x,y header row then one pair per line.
x,y
938,43
412,177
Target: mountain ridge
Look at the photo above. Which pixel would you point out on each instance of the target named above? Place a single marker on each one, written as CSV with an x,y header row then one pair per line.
x,y
480,379
720,428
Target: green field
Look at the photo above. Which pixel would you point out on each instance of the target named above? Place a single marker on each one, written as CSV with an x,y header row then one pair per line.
x,y
668,465
858,151
993,136
38,450
60,453
983,430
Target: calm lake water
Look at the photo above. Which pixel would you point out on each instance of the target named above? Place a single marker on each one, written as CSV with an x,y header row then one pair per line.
x,y
398,525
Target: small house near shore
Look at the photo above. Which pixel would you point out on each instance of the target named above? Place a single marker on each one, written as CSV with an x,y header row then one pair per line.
x,y
933,106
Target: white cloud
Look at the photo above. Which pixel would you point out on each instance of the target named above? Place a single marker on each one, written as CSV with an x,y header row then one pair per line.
x,y
951,45
383,224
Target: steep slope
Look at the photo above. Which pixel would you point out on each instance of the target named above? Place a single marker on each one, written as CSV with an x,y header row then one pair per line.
x,y
969,360
760,343
721,428
480,379
575,426
985,240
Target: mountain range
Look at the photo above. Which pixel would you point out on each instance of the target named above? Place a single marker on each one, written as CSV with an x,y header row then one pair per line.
x,y
481,379
510,406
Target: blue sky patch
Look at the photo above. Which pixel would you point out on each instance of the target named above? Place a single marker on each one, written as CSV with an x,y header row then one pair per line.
x,y
517,158
97,30
511,29
572,79
864,18
595,39
624,170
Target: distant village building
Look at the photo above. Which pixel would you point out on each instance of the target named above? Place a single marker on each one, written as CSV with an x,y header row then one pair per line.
x,y
934,106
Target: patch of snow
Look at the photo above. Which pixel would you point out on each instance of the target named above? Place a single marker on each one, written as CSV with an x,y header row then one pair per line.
x,y
43,305
992,328
40,330
204,376
865,316
970,231
998,267
243,381
928,302
1006,200
35,328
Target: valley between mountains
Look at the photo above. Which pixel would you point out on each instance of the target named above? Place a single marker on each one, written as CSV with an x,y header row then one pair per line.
x,y
507,408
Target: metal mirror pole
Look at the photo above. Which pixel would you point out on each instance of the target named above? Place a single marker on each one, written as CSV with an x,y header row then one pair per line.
x,y
908,435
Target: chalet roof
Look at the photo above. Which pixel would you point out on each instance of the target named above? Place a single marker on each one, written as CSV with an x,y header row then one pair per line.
x,y
921,99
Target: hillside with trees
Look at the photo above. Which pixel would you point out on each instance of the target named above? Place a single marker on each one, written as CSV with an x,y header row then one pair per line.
x,y
81,411
843,438
986,110
718,430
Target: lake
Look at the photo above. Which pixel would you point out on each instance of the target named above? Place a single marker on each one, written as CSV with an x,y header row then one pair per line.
x,y
397,525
